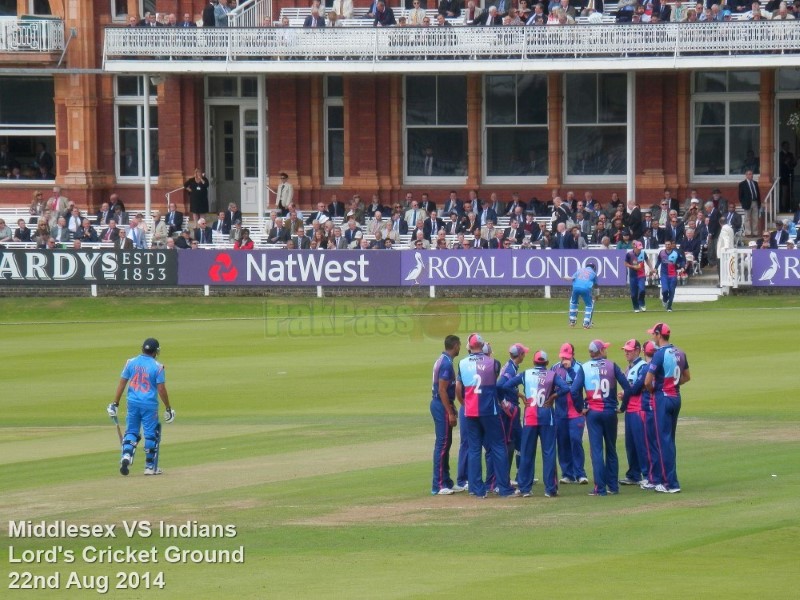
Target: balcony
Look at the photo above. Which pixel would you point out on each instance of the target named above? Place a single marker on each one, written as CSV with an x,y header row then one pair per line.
x,y
608,47
31,35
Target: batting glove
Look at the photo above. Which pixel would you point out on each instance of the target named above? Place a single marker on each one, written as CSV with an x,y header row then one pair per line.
x,y
111,409
169,416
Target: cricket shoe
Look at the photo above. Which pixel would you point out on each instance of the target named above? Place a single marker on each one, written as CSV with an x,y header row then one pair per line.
x,y
444,492
572,323
646,485
457,488
636,310
153,471
567,480
513,483
550,494
644,309
583,481
662,489
124,463
596,494
589,326
628,481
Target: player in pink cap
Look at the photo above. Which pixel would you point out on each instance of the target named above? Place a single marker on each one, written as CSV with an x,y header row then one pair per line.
x,y
570,423
598,377
635,444
637,263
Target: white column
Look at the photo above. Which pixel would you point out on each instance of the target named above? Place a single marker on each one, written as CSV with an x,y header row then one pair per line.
x,y
146,123
630,179
263,198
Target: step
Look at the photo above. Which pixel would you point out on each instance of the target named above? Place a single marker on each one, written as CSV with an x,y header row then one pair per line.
x,y
697,293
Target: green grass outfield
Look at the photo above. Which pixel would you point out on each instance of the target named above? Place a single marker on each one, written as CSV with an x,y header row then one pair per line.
x,y
306,426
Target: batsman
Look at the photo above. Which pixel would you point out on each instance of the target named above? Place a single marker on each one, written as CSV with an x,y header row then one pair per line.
x,y
144,377
583,287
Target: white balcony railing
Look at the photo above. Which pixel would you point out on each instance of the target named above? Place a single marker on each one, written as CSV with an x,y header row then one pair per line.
x,y
668,42
31,35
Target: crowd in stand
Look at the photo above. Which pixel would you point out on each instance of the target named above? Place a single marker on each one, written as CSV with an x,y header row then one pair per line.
x,y
416,13
694,225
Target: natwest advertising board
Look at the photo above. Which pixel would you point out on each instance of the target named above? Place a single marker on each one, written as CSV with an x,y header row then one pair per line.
x,y
394,268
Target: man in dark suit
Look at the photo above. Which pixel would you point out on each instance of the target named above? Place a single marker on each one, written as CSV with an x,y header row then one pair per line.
x,y
203,232
432,225
320,214
712,222
302,241
750,200
384,17
314,19
187,21
103,215
426,203
399,224
674,231
376,206
221,226
514,232
487,214
691,244
779,237
515,202
453,203
232,215
734,219
489,18
208,14
184,240
123,242
174,219
649,241
450,8
454,226
335,208
278,234
477,241
352,231
560,240
111,234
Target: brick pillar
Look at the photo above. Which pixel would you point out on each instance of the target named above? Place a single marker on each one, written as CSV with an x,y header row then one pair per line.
x,y
766,146
396,133
173,140
683,129
474,130
284,130
649,124
364,111
555,138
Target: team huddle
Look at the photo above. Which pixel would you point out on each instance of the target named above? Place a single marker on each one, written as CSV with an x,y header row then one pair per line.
x,y
559,402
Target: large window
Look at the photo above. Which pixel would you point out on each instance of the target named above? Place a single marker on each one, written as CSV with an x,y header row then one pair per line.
x,y
334,129
725,113
515,123
436,126
596,108
119,9
130,107
27,128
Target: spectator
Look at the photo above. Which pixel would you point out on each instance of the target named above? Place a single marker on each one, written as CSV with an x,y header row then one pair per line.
x,y
384,15
203,233
222,14
220,227
450,8
160,231
197,187
22,233
208,14
314,19
244,242
86,233
184,240
61,232
111,234
780,236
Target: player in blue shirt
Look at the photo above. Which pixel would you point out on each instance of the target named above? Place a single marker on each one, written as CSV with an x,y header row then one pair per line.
x,y
668,370
583,281
631,407
637,263
443,411
669,262
599,377
570,423
653,461
540,389
476,389
144,377
509,403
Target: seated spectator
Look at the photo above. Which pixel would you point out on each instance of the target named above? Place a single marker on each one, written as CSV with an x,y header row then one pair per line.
x,y
625,243
86,233
184,240
766,241
220,227
23,232
692,249
6,234
780,236
244,242
160,231
61,232
42,233
497,240
578,242
314,19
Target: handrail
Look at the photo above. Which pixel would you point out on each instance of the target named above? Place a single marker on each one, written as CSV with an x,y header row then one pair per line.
x,y
770,204
668,41
31,35
251,13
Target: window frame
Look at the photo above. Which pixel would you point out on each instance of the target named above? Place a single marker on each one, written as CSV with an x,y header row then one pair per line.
x,y
123,17
565,126
517,179
434,179
329,101
726,98
137,101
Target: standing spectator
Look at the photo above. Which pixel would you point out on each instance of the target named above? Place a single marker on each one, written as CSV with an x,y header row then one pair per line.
x,y
384,17
136,235
57,204
208,14
668,371
197,187
750,201
444,415
37,208
713,225
786,164
450,8
44,161
285,194
598,377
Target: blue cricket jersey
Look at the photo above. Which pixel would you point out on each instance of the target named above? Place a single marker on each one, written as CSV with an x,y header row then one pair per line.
x,y
668,263
443,369
478,376
599,377
583,279
632,400
510,370
565,405
667,366
143,373
538,384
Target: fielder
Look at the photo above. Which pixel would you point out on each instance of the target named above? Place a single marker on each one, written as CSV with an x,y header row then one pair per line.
x,y
443,411
636,261
668,263
144,377
570,423
635,418
583,282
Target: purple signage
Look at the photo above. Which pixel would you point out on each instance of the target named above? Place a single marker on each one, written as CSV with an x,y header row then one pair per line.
x,y
776,267
289,267
508,267
394,268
